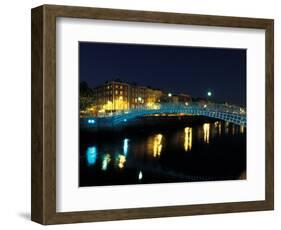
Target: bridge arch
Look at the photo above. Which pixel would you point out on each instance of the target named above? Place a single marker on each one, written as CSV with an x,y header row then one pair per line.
x,y
235,115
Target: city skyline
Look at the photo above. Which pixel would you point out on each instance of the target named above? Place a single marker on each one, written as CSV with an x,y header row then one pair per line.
x,y
151,66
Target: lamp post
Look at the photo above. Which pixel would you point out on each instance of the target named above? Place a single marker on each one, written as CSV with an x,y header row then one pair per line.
x,y
209,94
170,97
139,101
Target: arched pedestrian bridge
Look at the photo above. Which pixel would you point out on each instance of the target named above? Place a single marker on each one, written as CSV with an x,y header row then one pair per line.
x,y
229,113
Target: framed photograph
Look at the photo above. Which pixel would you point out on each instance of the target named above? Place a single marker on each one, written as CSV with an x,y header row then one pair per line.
x,y
141,114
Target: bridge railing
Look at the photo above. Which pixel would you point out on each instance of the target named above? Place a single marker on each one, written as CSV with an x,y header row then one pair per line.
x,y
193,105
224,108
229,113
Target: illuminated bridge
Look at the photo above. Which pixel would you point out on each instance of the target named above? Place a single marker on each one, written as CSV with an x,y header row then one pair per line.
x,y
229,113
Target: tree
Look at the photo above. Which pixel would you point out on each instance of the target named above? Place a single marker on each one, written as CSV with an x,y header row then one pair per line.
x,y
85,90
86,96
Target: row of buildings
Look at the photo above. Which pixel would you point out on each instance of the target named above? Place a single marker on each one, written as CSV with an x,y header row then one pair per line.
x,y
118,96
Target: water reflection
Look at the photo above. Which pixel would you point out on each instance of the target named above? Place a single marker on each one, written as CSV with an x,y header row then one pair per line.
x,y
187,139
105,161
157,145
206,130
121,159
125,146
91,154
140,175
216,124
226,127
233,130
242,128
219,129
160,155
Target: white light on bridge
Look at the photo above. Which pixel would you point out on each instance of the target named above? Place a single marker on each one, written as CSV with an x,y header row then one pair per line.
x,y
91,121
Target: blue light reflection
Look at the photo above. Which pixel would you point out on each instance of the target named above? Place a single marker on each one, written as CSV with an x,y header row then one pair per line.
x,y
125,146
91,154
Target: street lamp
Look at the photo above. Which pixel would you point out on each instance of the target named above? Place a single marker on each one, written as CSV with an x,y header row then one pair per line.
x,y
169,94
209,93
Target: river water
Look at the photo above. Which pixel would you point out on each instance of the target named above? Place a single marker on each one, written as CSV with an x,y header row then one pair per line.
x,y
209,151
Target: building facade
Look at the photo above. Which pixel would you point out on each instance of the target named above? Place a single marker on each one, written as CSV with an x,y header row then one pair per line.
x,y
119,96
111,96
116,95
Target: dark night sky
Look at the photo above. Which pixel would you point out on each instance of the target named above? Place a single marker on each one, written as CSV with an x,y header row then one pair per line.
x,y
174,69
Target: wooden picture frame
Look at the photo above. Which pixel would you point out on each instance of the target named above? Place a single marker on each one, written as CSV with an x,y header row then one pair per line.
x,y
43,208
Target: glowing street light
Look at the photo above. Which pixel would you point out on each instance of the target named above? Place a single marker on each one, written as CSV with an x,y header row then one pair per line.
x,y
209,93
169,94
